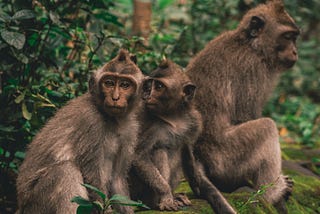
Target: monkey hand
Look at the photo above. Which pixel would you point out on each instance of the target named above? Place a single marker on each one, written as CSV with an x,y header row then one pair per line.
x,y
169,204
182,199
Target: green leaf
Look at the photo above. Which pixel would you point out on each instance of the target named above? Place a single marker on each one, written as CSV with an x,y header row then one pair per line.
x,y
33,39
125,201
95,189
23,14
19,98
20,155
4,17
55,18
164,3
81,201
54,93
98,205
15,39
22,58
26,114
84,209
7,128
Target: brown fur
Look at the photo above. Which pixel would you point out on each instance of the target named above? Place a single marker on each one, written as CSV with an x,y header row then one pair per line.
x,y
235,74
83,143
170,123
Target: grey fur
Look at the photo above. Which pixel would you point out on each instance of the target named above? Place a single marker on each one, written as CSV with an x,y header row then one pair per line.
x,y
157,170
164,153
235,74
80,144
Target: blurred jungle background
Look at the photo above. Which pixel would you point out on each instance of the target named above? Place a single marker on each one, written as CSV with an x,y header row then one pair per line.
x,y
49,47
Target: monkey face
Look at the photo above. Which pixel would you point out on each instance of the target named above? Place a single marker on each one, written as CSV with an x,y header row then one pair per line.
x,y
154,94
118,92
273,33
166,95
286,49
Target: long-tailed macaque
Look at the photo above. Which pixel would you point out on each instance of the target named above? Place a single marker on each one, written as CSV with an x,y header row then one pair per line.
x,y
90,140
235,74
170,126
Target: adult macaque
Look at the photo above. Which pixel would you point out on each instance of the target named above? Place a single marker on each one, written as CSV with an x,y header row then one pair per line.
x,y
170,126
90,140
235,74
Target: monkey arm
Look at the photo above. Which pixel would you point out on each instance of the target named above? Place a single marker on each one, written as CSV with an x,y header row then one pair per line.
x,y
149,173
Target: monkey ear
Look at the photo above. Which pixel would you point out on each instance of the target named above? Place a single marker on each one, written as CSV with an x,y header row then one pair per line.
x,y
133,58
256,25
189,91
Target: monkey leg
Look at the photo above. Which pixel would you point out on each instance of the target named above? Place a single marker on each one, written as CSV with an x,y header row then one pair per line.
x,y
51,189
201,186
257,157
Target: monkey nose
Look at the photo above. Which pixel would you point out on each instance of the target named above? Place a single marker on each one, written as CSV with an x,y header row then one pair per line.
x,y
295,53
115,98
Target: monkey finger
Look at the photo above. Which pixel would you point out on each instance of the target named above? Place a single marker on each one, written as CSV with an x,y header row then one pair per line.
x,y
289,181
182,198
168,204
179,203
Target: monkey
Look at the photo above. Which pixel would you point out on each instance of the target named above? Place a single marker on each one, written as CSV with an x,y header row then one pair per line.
x,y
89,140
170,126
235,74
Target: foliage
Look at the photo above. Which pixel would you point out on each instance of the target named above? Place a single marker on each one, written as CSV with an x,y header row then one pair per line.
x,y
87,206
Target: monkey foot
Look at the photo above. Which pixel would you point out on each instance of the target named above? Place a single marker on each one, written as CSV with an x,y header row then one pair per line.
x,y
182,199
289,188
169,204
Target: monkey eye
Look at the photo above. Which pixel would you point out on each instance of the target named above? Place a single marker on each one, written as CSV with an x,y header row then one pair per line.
x,y
125,84
159,85
147,85
292,36
109,83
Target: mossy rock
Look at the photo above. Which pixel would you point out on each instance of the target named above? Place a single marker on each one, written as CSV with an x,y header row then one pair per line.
x,y
305,199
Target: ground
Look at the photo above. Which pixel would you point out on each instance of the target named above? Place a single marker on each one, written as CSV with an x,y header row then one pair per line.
x,y
305,198
298,164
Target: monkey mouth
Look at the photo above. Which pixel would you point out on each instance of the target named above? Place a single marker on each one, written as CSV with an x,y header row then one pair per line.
x,y
151,105
289,63
115,110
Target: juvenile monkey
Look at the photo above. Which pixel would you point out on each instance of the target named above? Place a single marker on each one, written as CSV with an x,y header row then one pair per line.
x,y
90,140
235,74
170,126
169,123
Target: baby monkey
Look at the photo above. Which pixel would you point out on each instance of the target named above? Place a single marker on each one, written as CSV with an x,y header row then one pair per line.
x,y
170,125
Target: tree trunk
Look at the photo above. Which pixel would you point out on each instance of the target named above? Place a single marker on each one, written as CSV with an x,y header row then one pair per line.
x,y
142,11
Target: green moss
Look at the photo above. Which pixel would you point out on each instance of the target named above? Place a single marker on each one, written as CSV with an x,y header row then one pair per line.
x,y
306,195
294,154
305,199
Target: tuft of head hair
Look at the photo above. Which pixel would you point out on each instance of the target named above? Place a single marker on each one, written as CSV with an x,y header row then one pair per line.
x,y
164,64
277,5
